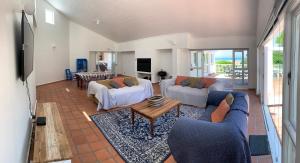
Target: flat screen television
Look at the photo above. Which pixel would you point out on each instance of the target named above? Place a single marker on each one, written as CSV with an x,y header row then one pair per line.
x,y
27,48
144,64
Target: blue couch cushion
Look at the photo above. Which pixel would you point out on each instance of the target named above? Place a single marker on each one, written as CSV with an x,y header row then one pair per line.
x,y
215,97
207,114
202,141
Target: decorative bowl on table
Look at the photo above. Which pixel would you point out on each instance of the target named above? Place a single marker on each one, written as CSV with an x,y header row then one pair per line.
x,y
156,101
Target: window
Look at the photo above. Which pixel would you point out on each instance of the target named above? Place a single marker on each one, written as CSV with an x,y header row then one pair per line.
x,y
49,16
230,65
274,58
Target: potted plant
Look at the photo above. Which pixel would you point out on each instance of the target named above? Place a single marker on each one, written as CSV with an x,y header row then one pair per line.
x,y
162,74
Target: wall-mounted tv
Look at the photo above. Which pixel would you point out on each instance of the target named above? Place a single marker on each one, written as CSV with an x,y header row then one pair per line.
x,y
144,64
27,48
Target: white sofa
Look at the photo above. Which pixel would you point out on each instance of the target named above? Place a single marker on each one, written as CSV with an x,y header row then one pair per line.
x,y
187,95
111,98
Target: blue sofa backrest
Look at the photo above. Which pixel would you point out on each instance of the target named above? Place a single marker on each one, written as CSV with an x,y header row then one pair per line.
x,y
238,110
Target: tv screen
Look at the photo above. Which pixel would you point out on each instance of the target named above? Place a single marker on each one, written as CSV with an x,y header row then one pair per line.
x,y
27,50
144,64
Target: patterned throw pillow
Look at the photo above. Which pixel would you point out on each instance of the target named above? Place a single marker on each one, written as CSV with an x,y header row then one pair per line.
x,y
106,83
219,114
114,84
120,81
179,79
185,83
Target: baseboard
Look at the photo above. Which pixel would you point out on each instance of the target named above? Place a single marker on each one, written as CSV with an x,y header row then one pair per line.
x,y
50,83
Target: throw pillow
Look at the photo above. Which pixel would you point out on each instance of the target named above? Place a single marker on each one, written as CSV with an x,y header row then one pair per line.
x,y
114,84
133,80
179,79
129,83
229,99
185,83
120,81
219,114
106,83
199,84
193,81
196,83
208,81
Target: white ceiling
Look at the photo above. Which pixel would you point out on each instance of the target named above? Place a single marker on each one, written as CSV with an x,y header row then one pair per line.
x,y
124,20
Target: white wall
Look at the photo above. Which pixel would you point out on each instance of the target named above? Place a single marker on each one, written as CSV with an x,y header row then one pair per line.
x,y
165,61
14,105
180,43
126,63
83,40
148,48
52,45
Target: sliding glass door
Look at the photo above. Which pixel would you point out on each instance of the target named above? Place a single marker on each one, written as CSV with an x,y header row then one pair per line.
x,y
273,87
226,64
240,67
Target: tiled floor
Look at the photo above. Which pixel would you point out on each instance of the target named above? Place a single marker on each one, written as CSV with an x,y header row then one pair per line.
x,y
88,143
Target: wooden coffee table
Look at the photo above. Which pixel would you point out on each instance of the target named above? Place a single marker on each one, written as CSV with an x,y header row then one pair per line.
x,y
152,113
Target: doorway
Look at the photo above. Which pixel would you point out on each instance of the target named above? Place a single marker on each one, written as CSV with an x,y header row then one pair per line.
x,y
229,65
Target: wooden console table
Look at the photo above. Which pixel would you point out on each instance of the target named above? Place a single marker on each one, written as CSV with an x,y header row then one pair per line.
x,y
50,142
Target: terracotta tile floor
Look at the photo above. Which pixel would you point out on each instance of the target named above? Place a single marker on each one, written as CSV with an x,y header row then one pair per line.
x,y
88,143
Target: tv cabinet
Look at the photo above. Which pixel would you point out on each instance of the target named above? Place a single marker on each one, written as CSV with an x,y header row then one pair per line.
x,y
144,75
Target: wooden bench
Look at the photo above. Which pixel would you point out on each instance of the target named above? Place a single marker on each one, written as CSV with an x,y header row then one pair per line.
x,y
50,142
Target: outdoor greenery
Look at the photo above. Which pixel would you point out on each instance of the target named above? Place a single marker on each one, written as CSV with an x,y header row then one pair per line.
x,y
223,62
280,39
277,57
277,54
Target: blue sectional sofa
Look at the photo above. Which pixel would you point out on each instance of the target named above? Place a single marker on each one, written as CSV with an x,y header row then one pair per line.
x,y
197,141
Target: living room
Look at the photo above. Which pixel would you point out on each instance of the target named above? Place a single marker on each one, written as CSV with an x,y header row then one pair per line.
x,y
139,81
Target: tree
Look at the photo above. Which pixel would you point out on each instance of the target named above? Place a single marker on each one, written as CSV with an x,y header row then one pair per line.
x,y
280,39
277,57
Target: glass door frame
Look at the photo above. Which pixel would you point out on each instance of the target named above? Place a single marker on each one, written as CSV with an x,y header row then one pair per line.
x,y
242,51
201,72
291,146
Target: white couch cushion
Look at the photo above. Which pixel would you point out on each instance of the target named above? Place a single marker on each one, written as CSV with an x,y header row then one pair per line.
x,y
128,95
188,95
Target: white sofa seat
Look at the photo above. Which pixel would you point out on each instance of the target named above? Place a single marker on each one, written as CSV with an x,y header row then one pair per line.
x,y
111,98
187,95
128,95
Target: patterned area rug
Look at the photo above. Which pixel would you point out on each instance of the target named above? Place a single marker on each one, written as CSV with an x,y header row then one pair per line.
x,y
135,143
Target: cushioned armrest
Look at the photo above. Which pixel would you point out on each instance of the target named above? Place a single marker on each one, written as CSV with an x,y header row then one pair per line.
x,y
217,86
164,84
143,81
201,141
147,85
102,94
